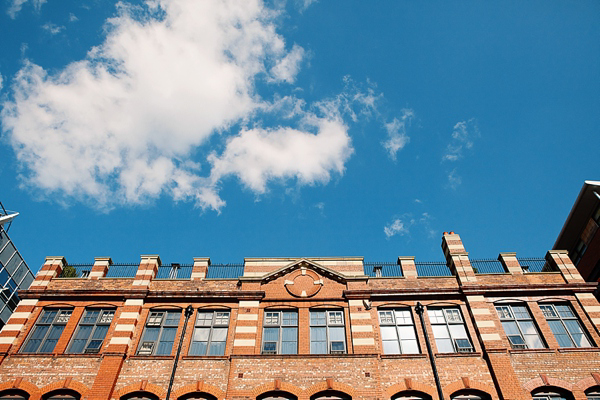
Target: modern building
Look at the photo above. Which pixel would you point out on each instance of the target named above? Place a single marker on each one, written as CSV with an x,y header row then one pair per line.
x,y
580,234
306,329
14,272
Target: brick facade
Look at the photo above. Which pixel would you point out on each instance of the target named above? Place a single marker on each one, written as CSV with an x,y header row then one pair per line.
x,y
491,368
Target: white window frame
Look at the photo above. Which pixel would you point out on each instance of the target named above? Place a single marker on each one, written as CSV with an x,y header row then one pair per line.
x,y
452,316
217,321
506,314
384,321
331,321
101,320
280,325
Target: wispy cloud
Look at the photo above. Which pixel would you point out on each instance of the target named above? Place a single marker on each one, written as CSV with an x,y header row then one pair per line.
x,y
16,5
51,28
463,135
134,119
73,17
304,4
403,225
454,180
396,227
396,130
1,82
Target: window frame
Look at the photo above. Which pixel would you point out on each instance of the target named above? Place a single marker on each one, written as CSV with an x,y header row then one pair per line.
x,y
95,325
281,326
328,325
211,327
60,312
516,320
151,323
561,319
396,324
447,324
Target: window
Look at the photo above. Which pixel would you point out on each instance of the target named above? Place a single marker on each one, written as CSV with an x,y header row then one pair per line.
x,y
327,334
159,334
411,395
210,333
62,395
280,332
398,332
330,395
469,394
519,327
14,394
549,396
47,331
449,330
593,393
91,331
277,395
565,325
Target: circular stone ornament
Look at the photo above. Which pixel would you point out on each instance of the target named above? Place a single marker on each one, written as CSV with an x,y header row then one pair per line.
x,y
303,283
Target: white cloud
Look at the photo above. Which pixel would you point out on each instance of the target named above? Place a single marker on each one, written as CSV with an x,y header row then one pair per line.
x,y
463,134
73,17
16,6
51,28
1,81
304,4
288,67
454,180
396,130
396,227
132,120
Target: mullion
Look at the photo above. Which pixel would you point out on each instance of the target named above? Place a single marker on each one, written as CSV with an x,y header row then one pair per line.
x,y
210,332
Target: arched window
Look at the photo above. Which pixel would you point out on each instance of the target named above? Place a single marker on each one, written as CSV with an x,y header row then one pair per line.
x,y
552,394
197,396
593,393
330,395
470,395
277,395
140,396
14,394
411,395
62,395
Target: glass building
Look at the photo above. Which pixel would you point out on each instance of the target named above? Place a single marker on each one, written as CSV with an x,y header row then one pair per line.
x,y
14,272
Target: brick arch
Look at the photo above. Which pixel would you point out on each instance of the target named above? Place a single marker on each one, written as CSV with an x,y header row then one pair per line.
x,y
21,384
333,385
468,384
65,384
141,386
213,307
199,387
279,386
553,298
100,304
587,384
414,386
327,306
394,304
60,304
509,300
442,303
539,383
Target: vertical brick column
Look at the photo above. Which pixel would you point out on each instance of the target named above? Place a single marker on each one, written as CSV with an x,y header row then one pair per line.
x,y
510,263
100,268
486,322
590,305
16,324
361,328
126,326
147,270
457,258
51,269
200,268
246,328
561,261
409,270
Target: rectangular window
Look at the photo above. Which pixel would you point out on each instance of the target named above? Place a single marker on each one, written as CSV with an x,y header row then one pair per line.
x,y
91,331
398,332
565,325
449,330
280,332
47,331
519,327
159,333
327,333
210,333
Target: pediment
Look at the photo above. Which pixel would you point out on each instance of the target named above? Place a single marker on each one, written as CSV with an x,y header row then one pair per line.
x,y
304,264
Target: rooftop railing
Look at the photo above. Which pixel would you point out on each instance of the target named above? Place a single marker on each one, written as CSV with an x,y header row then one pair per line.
x,y
175,271
76,271
535,264
432,268
382,269
488,266
126,270
225,271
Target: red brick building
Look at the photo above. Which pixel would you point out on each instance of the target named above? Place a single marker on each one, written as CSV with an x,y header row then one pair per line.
x,y
307,329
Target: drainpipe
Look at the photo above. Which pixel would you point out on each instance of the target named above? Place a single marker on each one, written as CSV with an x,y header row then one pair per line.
x,y
420,309
188,313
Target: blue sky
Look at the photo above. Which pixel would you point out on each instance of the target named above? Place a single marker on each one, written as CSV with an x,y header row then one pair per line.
x,y
301,128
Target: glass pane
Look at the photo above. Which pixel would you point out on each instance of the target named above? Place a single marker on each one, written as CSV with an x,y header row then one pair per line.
x,y
403,317
318,334
521,312
271,334
337,346
436,316
270,347
222,318
219,335
55,332
410,347
336,334
94,344
168,334
391,347
318,347
290,334
444,345
201,334
317,317
440,331
90,317
388,333
198,348
335,318
84,331
564,311
289,347
204,319
107,317
458,331
151,334
453,315
48,316
510,327
386,317
217,349
406,332
48,346
534,341
528,327
100,332
290,318
272,318
173,318
78,346
548,311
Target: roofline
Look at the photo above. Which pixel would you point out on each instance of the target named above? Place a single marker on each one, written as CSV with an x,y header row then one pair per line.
x,y
584,188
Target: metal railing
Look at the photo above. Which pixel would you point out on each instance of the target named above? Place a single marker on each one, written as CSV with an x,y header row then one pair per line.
x,y
122,271
488,266
535,264
76,271
432,268
382,269
175,271
225,271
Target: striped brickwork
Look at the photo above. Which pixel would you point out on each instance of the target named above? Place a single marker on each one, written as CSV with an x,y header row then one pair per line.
x,y
147,270
510,263
16,323
409,270
361,327
246,328
458,258
200,268
51,269
126,326
560,260
100,268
